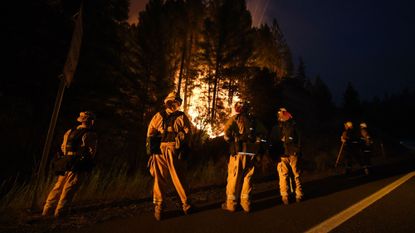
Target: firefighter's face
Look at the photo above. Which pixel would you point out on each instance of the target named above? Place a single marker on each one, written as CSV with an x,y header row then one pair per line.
x,y
88,123
281,116
173,105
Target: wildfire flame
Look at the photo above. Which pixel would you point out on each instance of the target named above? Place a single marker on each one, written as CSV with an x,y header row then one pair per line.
x,y
198,109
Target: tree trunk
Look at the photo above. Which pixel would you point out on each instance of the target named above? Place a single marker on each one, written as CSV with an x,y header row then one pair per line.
x,y
187,76
215,90
230,91
179,83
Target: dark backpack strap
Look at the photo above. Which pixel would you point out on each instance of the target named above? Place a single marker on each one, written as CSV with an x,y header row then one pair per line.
x,y
74,139
168,121
164,116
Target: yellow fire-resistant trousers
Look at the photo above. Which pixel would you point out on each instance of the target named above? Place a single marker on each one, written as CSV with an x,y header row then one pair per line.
x,y
61,194
163,165
289,165
240,171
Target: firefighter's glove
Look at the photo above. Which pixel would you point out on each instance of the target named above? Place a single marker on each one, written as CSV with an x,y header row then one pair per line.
x,y
180,155
148,147
228,138
150,161
183,152
277,158
257,160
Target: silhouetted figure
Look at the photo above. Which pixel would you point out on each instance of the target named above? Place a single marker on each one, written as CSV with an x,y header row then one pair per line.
x,y
366,144
286,143
78,150
351,147
244,133
167,135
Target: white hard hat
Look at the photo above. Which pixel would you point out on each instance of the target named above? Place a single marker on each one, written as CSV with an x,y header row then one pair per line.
x,y
85,116
173,96
348,124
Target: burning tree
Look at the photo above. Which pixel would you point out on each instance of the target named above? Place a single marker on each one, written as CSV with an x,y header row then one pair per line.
x,y
206,51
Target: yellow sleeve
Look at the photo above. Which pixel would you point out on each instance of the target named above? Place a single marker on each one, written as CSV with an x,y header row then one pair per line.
x,y
65,140
230,128
183,126
155,126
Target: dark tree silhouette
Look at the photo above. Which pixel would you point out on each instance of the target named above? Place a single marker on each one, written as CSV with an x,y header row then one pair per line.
x,y
351,103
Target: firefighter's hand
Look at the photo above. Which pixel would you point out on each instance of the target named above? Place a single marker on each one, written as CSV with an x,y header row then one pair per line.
x,y
228,138
257,160
148,147
182,154
150,161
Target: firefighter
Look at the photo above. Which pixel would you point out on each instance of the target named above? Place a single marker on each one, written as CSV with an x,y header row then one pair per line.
x,y
366,143
244,134
286,143
78,148
167,139
351,151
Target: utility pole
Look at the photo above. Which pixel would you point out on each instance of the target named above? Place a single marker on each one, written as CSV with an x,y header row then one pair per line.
x,y
65,80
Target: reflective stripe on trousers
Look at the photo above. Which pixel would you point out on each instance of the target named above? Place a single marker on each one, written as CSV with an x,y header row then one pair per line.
x,y
285,167
62,193
240,171
161,167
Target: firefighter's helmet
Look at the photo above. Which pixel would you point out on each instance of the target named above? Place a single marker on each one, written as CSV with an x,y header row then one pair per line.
x,y
348,125
283,114
173,96
241,107
86,116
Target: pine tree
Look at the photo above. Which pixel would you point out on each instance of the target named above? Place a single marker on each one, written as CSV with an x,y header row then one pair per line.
x,y
323,98
226,43
351,102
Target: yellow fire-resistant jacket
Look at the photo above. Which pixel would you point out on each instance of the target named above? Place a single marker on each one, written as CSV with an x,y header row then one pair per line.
x,y
244,133
89,140
181,126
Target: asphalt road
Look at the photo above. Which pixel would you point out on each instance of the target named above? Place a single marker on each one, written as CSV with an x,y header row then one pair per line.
x,y
394,212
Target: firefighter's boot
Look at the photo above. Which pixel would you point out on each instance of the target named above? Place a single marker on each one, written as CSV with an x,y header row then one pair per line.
x,y
229,206
187,208
299,198
285,200
158,210
246,205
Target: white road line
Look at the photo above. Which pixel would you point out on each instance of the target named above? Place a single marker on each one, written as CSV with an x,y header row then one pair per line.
x,y
343,216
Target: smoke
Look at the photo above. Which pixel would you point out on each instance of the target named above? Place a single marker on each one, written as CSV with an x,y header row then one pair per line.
x,y
258,9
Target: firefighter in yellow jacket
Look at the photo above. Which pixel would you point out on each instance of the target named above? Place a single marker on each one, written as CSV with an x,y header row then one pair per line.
x,y
79,144
244,133
167,137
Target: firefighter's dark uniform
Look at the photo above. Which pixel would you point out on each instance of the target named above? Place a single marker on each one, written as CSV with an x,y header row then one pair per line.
x,y
286,143
351,148
67,184
244,134
366,149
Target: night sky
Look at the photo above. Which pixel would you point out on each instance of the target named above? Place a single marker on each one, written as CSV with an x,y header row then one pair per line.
x,y
367,42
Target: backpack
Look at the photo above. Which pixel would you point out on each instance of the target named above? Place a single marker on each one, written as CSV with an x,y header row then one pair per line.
x,y
75,163
73,142
168,134
291,138
167,122
246,141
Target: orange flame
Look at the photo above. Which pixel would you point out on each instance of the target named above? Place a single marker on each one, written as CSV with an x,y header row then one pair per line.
x,y
199,105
